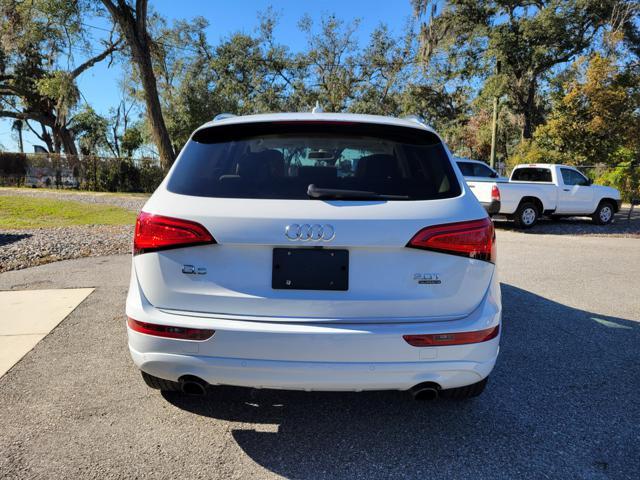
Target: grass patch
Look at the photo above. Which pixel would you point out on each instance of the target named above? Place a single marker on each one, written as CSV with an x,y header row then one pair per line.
x,y
69,191
28,212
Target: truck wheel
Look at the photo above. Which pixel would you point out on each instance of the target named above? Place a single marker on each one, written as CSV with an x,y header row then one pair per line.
x,y
526,215
603,214
462,393
160,383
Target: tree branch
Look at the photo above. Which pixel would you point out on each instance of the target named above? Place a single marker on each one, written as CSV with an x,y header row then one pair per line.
x,y
98,58
113,10
27,116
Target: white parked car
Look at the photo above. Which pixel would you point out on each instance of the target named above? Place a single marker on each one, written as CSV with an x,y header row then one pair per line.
x,y
482,180
540,189
315,251
478,170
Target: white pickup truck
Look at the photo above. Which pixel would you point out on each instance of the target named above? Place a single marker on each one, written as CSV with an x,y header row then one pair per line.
x,y
540,189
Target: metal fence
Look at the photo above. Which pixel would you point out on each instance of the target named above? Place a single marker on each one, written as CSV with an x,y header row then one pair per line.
x,y
84,172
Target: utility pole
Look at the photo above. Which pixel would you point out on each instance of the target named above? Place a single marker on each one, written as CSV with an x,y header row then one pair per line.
x,y
494,124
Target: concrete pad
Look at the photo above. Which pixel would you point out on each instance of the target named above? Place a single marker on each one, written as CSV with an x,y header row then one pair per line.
x,y
27,316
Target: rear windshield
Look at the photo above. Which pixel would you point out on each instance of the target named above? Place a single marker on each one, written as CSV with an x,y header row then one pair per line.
x,y
281,161
531,174
469,169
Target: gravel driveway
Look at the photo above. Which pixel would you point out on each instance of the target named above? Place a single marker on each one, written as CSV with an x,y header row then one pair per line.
x,y
562,401
36,246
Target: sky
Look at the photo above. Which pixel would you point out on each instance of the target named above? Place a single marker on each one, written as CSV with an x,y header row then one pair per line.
x,y
99,85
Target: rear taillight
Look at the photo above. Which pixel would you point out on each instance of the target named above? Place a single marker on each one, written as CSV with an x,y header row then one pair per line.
x,y
473,239
168,331
444,339
155,232
495,193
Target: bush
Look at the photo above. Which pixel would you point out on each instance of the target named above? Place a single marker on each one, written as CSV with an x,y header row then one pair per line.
x,y
107,176
122,175
151,175
13,168
86,172
128,176
625,177
529,151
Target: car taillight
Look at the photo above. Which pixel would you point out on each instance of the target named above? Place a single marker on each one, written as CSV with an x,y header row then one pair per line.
x,y
473,239
155,232
495,193
444,339
168,331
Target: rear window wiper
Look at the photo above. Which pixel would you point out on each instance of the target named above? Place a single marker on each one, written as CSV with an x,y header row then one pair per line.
x,y
335,193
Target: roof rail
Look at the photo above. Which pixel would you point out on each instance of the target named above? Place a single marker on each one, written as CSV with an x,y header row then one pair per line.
x,y
222,116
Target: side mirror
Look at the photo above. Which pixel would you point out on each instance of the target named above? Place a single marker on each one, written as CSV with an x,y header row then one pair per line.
x,y
493,175
589,181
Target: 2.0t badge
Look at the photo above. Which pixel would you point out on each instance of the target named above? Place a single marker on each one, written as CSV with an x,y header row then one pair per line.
x,y
427,278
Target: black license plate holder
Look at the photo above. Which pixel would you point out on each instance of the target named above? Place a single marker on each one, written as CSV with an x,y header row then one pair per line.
x,y
310,269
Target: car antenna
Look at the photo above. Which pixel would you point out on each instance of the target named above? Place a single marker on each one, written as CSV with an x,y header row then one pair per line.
x,y
317,108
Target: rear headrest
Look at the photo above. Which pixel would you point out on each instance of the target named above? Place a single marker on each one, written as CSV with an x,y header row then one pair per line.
x,y
380,166
261,165
318,174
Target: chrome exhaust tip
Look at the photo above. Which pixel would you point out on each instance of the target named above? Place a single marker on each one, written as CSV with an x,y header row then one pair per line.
x,y
193,386
425,391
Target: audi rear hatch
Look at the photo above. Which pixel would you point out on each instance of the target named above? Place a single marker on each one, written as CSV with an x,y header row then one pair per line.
x,y
314,222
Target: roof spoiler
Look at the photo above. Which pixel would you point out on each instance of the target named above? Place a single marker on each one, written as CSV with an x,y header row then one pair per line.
x,y
222,116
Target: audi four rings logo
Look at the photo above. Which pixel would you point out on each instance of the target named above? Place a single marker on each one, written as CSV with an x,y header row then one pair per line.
x,y
307,232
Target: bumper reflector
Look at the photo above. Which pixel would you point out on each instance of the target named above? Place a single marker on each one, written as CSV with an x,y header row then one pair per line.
x,y
168,331
460,338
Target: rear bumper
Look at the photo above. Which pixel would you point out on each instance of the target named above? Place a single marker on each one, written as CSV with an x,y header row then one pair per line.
x,y
323,376
492,207
329,357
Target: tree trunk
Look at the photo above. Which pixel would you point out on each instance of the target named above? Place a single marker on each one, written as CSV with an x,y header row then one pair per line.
x,y
57,144
154,111
527,126
133,25
529,112
68,142
46,138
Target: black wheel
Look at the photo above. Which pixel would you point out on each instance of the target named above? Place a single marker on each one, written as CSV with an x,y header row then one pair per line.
x,y
160,383
603,214
468,391
526,215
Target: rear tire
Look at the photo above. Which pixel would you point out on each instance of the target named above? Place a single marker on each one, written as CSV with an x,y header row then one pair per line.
x,y
468,391
603,214
526,215
160,383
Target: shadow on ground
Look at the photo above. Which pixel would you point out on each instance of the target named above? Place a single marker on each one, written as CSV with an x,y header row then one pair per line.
x,y
623,225
9,238
562,402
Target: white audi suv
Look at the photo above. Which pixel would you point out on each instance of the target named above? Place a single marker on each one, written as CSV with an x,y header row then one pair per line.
x,y
315,251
